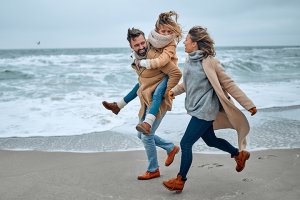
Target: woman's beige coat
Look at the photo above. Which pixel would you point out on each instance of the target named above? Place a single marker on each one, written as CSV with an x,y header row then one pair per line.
x,y
229,116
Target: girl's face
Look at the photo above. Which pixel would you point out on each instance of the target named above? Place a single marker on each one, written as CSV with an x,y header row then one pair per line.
x,y
164,30
189,45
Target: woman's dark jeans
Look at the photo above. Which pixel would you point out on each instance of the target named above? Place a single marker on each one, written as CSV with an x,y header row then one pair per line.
x,y
200,128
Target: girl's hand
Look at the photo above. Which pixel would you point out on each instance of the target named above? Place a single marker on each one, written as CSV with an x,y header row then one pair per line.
x,y
171,95
253,111
143,63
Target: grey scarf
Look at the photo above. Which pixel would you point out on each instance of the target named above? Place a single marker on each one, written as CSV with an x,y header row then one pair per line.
x,y
159,41
196,55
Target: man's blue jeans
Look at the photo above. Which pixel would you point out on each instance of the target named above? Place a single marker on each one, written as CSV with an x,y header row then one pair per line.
x,y
157,96
151,141
200,128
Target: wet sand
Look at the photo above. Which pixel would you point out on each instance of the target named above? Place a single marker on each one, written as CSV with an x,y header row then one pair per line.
x,y
269,174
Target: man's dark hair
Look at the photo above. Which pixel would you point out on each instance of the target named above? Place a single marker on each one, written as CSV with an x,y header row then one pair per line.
x,y
133,33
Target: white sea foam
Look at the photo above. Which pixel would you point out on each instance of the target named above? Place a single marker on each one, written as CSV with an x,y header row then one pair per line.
x,y
71,115
268,95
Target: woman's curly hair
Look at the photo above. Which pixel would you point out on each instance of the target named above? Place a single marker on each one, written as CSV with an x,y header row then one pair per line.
x,y
205,43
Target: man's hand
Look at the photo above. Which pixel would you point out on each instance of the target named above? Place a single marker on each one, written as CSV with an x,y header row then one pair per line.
x,y
253,111
171,95
137,62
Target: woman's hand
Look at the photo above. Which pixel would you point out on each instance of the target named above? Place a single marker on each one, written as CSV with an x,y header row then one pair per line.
x,y
171,95
253,111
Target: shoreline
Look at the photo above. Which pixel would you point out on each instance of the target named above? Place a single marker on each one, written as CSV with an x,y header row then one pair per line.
x,y
216,152
280,124
269,174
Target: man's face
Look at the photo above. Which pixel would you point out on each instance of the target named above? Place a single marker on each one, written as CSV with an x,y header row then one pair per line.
x,y
139,45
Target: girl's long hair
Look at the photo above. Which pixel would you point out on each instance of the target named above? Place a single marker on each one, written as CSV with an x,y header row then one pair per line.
x,y
169,19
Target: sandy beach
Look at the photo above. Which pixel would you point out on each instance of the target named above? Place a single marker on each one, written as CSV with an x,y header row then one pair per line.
x,y
269,174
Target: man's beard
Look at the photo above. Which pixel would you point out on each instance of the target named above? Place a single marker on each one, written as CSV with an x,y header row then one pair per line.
x,y
142,52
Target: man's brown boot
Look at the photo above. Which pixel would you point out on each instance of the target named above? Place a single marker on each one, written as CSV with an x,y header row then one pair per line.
x,y
241,160
171,155
144,128
111,106
149,175
175,184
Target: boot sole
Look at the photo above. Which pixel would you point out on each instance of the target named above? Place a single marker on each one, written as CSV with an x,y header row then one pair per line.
x,y
177,191
144,179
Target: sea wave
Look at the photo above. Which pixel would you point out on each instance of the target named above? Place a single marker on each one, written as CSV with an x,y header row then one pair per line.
x,y
11,74
64,60
280,108
59,91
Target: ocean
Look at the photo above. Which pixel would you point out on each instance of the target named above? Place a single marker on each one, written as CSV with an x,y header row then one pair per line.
x,y
50,99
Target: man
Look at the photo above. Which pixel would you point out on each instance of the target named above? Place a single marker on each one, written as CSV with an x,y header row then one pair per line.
x,y
148,81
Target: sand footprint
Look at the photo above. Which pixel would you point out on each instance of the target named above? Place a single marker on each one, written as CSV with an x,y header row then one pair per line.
x,y
247,179
218,165
266,157
203,165
210,166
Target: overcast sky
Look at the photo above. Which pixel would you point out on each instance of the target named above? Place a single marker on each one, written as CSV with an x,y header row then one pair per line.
x,y
104,23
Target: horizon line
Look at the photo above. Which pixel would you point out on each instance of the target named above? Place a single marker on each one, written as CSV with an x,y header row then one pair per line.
x,y
221,46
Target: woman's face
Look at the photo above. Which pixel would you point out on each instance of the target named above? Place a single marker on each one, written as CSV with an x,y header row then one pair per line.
x,y
189,45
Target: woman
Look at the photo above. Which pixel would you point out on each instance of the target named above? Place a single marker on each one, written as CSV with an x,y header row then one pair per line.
x,y
207,87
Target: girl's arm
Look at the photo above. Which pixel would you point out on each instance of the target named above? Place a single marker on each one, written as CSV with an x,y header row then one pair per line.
x,y
165,57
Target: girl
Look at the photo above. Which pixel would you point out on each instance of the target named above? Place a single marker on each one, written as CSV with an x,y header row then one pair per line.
x,y
207,86
163,38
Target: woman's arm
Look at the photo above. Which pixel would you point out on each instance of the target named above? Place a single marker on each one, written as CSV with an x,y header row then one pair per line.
x,y
229,85
178,89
